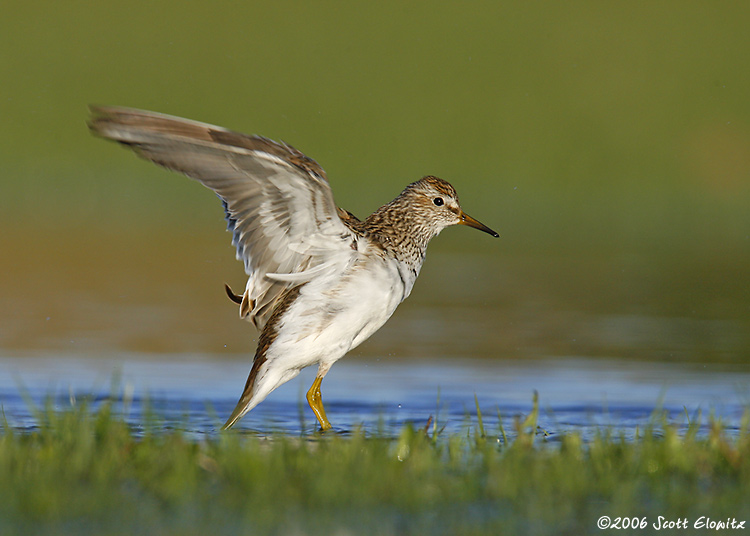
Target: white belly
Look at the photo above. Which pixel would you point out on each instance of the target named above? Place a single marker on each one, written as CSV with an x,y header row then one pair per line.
x,y
333,315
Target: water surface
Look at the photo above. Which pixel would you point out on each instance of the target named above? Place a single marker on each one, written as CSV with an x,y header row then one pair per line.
x,y
604,339
194,393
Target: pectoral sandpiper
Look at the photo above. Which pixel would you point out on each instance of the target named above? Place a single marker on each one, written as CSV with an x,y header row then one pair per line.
x,y
320,280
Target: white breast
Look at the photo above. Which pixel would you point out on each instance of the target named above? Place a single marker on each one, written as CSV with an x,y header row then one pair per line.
x,y
337,312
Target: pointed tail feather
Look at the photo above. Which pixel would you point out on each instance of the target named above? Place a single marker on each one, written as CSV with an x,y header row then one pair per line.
x,y
256,391
248,400
242,407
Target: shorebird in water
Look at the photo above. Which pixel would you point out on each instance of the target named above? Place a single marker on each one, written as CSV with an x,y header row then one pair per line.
x,y
320,280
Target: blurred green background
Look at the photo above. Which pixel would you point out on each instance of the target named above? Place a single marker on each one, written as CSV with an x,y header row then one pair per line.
x,y
607,142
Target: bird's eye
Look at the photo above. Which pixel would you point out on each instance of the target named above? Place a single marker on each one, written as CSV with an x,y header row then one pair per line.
x,y
438,201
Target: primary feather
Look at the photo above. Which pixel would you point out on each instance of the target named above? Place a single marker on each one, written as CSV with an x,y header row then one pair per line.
x,y
278,203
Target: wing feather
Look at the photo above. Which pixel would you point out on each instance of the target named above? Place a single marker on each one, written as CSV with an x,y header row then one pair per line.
x,y
279,206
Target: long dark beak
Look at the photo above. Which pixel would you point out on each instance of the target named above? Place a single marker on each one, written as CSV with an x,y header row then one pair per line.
x,y
471,222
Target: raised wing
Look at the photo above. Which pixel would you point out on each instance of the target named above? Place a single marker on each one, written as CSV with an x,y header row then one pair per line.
x,y
278,203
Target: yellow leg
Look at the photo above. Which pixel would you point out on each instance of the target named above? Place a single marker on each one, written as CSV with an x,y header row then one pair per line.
x,y
315,400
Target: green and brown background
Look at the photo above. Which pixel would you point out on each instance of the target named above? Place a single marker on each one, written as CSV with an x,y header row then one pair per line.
x,y
608,143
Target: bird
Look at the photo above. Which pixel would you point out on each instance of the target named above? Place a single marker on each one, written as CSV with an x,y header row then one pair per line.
x,y
320,281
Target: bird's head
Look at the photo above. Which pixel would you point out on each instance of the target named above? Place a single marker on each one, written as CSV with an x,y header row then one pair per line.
x,y
435,203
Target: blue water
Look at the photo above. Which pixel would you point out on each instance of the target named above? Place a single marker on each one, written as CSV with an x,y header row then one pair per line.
x,y
195,393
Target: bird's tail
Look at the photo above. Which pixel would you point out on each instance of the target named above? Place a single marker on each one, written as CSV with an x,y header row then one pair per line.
x,y
261,382
245,404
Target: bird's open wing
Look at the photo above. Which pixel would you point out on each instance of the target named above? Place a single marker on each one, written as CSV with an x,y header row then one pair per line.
x,y
278,203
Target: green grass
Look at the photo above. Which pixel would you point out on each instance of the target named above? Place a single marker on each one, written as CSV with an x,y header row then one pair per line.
x,y
86,472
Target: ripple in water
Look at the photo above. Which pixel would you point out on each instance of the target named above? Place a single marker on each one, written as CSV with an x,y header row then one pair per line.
x,y
194,394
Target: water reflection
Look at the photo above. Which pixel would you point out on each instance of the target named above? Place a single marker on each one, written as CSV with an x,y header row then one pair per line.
x,y
194,393
169,298
492,324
